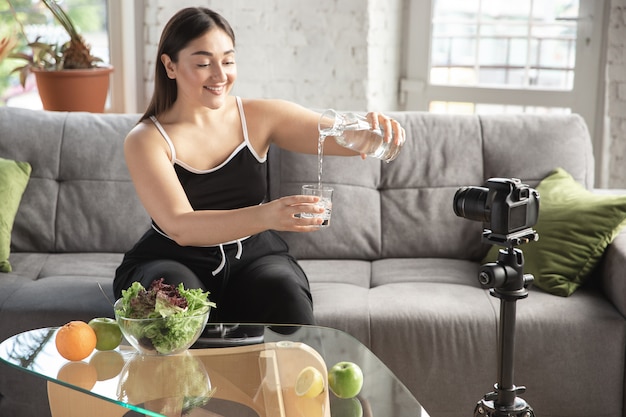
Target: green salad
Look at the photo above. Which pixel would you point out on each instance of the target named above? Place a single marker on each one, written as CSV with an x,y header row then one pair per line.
x,y
180,314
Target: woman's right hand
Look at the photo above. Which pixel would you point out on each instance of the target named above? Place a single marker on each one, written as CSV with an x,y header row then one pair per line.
x,y
283,214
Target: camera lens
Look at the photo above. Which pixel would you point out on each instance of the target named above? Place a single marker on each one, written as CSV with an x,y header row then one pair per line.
x,y
470,203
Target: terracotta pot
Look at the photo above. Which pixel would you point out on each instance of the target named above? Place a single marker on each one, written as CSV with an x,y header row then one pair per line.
x,y
74,89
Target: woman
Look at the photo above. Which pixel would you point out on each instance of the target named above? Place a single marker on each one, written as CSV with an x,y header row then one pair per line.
x,y
197,159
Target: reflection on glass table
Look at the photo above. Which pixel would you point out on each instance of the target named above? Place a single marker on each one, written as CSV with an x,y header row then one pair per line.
x,y
233,370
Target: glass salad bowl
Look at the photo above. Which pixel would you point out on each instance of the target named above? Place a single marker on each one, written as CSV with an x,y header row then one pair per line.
x,y
162,335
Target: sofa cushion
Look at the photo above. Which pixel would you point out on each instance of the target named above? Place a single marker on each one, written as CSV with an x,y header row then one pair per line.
x,y
50,289
80,197
340,291
14,177
530,146
575,226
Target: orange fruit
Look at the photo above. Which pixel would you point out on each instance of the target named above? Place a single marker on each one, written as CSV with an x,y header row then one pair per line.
x,y
81,374
75,340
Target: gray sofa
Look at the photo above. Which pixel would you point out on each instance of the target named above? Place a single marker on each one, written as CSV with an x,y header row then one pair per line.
x,y
397,268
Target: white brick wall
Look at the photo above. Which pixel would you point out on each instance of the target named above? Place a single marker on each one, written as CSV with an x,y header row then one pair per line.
x,y
616,93
323,53
385,45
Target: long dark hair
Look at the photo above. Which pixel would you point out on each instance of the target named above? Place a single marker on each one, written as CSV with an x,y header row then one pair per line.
x,y
186,25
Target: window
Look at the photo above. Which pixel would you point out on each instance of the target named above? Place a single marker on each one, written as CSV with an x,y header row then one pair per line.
x,y
521,44
90,17
492,56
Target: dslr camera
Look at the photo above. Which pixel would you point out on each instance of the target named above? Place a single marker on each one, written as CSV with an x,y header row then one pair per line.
x,y
507,208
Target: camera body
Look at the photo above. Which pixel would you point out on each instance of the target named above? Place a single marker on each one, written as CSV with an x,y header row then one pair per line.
x,y
507,207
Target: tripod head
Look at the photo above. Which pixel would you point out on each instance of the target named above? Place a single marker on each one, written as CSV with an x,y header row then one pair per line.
x,y
506,277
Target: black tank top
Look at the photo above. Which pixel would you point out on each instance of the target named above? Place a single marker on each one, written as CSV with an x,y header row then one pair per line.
x,y
240,181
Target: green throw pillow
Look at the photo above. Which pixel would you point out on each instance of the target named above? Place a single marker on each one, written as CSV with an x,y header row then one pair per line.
x,y
13,180
575,226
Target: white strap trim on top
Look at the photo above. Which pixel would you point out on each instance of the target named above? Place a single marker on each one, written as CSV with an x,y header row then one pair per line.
x,y
246,142
166,137
244,127
207,171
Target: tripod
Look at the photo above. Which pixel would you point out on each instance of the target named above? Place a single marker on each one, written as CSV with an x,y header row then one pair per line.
x,y
506,281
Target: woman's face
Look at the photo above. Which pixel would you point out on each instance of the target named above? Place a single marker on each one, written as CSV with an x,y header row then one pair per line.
x,y
206,69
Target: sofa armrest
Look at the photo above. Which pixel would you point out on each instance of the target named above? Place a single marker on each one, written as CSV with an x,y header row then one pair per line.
x,y
613,280
613,276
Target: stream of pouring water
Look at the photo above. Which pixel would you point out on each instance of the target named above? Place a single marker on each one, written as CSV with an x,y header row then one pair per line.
x,y
320,158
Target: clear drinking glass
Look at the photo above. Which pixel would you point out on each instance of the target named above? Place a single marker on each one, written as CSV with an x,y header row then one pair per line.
x,y
326,201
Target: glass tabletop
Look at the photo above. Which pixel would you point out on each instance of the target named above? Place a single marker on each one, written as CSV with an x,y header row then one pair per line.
x,y
236,369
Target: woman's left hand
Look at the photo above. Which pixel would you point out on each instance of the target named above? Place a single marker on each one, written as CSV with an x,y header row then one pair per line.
x,y
391,128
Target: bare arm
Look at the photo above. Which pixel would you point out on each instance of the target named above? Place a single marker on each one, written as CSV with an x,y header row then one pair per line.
x,y
294,128
289,126
164,199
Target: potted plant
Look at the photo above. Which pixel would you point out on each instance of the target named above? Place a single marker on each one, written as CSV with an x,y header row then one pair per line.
x,y
68,76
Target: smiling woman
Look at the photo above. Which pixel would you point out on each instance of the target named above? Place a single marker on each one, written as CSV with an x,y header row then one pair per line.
x,y
198,160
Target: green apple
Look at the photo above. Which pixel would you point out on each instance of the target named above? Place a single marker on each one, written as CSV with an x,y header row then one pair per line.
x,y
108,363
108,333
346,407
345,379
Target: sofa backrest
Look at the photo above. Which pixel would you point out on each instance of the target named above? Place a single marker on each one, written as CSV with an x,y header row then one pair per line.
x,y
79,197
403,209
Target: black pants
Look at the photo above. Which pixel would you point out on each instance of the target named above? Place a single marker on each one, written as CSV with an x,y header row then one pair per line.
x,y
266,285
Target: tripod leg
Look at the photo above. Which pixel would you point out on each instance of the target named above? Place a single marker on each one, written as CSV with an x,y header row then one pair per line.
x,y
506,389
504,402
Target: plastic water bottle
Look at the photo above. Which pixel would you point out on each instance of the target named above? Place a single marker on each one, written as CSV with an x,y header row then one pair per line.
x,y
353,131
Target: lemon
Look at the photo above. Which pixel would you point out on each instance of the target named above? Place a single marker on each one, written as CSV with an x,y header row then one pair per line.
x,y
310,383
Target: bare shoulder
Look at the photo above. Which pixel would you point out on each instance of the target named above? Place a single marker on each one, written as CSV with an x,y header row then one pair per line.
x,y
142,137
141,129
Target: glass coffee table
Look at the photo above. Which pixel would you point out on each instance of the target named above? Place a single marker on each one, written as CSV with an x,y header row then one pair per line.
x,y
233,370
